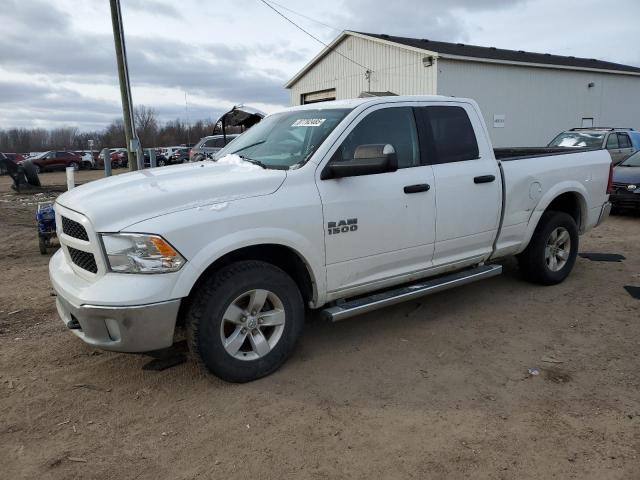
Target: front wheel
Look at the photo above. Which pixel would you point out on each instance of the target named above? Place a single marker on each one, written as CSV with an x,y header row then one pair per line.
x,y
244,321
552,251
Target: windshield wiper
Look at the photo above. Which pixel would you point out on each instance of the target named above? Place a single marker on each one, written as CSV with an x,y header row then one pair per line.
x,y
254,161
249,146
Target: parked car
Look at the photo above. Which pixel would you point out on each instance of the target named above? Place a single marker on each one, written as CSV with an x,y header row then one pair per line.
x,y
14,157
119,157
161,160
209,146
621,142
55,160
88,159
344,206
179,155
169,151
626,183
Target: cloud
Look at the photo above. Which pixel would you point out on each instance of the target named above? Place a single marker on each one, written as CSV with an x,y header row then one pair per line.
x,y
432,19
155,7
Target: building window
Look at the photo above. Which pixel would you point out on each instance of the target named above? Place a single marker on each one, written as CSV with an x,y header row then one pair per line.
x,y
320,96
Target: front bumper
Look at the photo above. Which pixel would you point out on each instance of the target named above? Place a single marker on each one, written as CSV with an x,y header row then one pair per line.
x,y
138,328
120,312
604,213
625,199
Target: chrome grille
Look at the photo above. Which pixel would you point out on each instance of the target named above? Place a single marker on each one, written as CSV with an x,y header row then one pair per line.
x,y
84,260
74,229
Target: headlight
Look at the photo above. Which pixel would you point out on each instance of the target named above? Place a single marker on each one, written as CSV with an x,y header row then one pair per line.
x,y
140,253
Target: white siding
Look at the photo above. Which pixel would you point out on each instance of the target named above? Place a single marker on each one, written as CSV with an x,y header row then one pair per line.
x,y
395,69
538,103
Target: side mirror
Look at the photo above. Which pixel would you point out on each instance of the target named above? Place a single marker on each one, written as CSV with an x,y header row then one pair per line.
x,y
367,160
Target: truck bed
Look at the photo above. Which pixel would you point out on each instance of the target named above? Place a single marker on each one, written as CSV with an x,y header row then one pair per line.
x,y
517,153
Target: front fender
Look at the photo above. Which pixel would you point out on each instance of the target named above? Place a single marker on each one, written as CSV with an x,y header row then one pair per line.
x,y
247,238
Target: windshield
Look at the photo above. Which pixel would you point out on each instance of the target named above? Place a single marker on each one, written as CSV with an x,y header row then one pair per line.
x,y
578,139
632,161
285,139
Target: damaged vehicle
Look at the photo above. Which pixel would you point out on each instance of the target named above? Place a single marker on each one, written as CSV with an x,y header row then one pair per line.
x,y
344,207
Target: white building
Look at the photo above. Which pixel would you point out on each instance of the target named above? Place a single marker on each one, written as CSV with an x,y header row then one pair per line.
x,y
527,98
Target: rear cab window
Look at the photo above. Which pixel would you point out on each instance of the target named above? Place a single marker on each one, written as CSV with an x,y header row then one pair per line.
x,y
446,134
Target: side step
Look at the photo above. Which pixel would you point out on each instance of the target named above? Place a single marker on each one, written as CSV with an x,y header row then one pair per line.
x,y
361,305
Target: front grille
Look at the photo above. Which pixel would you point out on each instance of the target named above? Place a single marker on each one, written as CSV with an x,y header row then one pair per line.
x,y
74,229
84,260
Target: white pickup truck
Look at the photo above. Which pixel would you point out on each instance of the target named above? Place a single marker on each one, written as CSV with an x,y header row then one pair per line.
x,y
344,206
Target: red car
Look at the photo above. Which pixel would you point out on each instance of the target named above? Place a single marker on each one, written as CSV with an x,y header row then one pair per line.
x,y
55,160
14,157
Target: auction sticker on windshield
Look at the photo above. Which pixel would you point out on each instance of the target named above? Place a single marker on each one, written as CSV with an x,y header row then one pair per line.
x,y
308,122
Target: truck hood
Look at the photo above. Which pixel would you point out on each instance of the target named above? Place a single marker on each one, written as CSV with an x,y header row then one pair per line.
x,y
113,203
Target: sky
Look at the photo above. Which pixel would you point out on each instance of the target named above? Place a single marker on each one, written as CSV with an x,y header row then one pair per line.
x,y
58,66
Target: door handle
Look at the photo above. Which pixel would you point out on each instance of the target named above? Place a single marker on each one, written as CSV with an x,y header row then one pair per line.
x,y
420,187
484,179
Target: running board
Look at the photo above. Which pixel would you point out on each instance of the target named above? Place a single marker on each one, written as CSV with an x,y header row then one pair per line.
x,y
361,305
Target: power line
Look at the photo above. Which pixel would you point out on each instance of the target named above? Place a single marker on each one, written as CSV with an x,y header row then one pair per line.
x,y
310,34
305,16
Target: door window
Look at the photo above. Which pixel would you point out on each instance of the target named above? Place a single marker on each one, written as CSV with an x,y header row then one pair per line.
x,y
446,134
624,141
394,126
612,142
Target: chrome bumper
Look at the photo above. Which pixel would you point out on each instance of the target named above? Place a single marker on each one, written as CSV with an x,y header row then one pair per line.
x,y
604,213
139,328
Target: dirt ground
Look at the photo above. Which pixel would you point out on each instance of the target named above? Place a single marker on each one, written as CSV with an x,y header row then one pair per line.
x,y
437,388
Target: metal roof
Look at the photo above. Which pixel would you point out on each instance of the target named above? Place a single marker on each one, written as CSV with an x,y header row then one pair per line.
x,y
492,53
474,52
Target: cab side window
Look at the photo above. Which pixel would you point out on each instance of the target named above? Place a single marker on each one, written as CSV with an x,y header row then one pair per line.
x,y
394,126
612,142
446,134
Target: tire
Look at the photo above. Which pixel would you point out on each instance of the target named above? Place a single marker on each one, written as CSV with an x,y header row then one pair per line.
x,y
36,169
74,165
551,266
214,317
161,163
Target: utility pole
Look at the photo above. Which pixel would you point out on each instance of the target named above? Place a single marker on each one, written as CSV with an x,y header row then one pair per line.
x,y
125,88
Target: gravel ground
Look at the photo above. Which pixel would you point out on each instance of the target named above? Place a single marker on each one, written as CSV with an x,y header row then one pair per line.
x,y
437,388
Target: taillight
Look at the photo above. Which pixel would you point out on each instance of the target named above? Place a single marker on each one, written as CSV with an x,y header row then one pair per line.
x,y
610,183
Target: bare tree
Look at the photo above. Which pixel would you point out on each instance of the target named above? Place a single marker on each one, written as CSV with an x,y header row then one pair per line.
x,y
146,125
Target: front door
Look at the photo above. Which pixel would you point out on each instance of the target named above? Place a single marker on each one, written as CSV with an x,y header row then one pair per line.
x,y
378,227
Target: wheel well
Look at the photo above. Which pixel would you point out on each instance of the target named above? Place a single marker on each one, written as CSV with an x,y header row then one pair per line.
x,y
568,203
280,256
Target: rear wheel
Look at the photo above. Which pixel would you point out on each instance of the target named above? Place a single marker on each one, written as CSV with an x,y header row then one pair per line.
x,y
161,162
552,251
74,165
244,321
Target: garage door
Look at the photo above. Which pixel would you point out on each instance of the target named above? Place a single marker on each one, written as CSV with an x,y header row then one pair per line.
x,y
321,96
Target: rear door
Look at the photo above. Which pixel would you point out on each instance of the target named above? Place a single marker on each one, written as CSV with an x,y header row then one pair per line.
x,y
468,190
624,144
378,227
614,148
